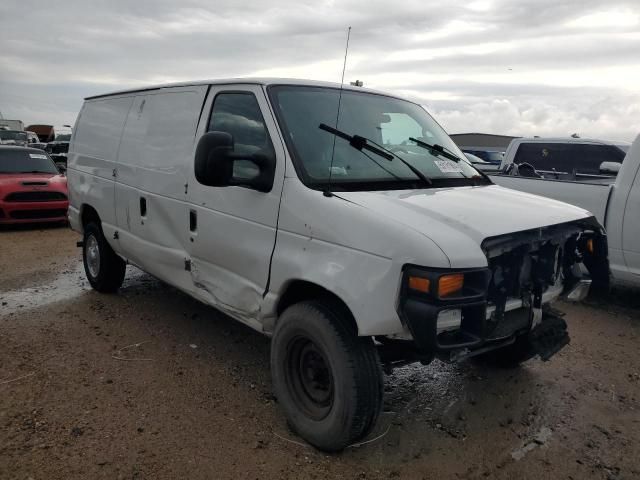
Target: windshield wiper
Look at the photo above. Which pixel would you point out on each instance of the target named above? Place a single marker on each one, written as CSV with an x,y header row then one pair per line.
x,y
438,149
362,143
445,152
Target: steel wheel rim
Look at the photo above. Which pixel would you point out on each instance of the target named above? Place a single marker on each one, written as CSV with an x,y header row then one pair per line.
x,y
309,378
93,255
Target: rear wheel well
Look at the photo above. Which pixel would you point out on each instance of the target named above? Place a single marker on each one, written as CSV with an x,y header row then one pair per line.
x,y
302,290
89,214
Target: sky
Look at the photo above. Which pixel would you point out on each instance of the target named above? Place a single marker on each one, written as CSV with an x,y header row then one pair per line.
x,y
513,67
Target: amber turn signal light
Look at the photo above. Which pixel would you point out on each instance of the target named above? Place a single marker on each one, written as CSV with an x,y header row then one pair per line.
x,y
420,284
450,284
590,248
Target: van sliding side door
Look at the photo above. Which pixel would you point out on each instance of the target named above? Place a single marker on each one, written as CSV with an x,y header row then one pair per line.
x,y
232,230
153,164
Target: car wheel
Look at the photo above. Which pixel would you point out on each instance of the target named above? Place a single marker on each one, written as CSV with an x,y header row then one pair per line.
x,y
326,378
103,267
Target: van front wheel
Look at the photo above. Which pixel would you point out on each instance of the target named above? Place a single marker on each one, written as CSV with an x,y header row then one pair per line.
x,y
103,267
326,378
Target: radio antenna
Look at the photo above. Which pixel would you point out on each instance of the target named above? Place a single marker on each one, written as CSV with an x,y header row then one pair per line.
x,y
327,192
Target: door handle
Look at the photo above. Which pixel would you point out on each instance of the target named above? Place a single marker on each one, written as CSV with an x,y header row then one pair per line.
x,y
193,220
143,207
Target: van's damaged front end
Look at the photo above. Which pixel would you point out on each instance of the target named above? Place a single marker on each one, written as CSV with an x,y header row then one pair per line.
x,y
455,314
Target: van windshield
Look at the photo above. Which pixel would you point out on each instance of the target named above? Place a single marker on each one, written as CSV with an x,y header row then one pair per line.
x,y
387,121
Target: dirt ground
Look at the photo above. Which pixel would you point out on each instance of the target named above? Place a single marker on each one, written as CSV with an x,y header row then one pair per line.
x,y
152,384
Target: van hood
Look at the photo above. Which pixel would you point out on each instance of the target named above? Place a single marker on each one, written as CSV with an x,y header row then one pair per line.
x,y
459,219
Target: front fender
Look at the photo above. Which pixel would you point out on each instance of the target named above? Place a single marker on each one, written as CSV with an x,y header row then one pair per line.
x,y
368,284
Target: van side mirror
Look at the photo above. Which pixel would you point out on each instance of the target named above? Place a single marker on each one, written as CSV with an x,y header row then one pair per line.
x,y
62,168
610,167
218,165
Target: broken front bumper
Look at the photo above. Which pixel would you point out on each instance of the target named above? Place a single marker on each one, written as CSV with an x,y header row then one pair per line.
x,y
477,333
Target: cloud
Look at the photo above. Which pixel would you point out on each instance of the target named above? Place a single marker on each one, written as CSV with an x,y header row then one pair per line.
x,y
548,67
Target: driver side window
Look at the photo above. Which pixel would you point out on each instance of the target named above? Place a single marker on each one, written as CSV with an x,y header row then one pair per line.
x,y
238,114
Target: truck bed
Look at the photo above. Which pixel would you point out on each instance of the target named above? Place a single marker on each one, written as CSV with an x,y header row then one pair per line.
x,y
591,196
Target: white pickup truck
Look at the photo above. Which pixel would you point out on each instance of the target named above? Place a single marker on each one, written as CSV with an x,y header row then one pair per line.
x,y
614,200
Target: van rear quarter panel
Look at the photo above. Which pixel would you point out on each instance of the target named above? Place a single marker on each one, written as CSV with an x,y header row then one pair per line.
x,y
93,154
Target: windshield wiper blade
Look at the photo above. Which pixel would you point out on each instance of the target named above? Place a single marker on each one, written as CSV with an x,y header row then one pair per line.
x,y
362,143
438,149
356,141
445,152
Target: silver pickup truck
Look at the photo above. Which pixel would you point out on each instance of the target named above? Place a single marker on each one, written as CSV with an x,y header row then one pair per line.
x,y
613,199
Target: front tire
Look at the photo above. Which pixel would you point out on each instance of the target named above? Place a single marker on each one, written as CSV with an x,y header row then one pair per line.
x,y
104,268
326,378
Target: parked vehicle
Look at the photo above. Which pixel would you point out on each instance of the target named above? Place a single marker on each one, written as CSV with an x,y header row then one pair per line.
x,y
480,164
46,133
32,137
31,188
63,137
13,137
614,201
566,158
383,249
490,156
58,150
11,124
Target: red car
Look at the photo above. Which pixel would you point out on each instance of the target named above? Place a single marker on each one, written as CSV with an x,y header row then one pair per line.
x,y
31,188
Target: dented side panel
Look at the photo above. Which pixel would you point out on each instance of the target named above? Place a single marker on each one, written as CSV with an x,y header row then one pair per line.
x,y
351,251
157,140
230,245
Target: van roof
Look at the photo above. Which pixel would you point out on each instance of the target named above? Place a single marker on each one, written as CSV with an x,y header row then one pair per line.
x,y
245,80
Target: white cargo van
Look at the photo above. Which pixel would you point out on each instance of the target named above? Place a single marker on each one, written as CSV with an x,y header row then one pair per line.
x,y
355,240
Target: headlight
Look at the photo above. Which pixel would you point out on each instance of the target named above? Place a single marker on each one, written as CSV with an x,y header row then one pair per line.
x,y
444,284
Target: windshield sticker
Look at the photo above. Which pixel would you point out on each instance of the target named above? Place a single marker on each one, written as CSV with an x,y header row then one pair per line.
x,y
38,155
447,166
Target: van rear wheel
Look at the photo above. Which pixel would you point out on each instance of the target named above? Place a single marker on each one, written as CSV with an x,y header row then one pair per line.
x,y
104,268
326,378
